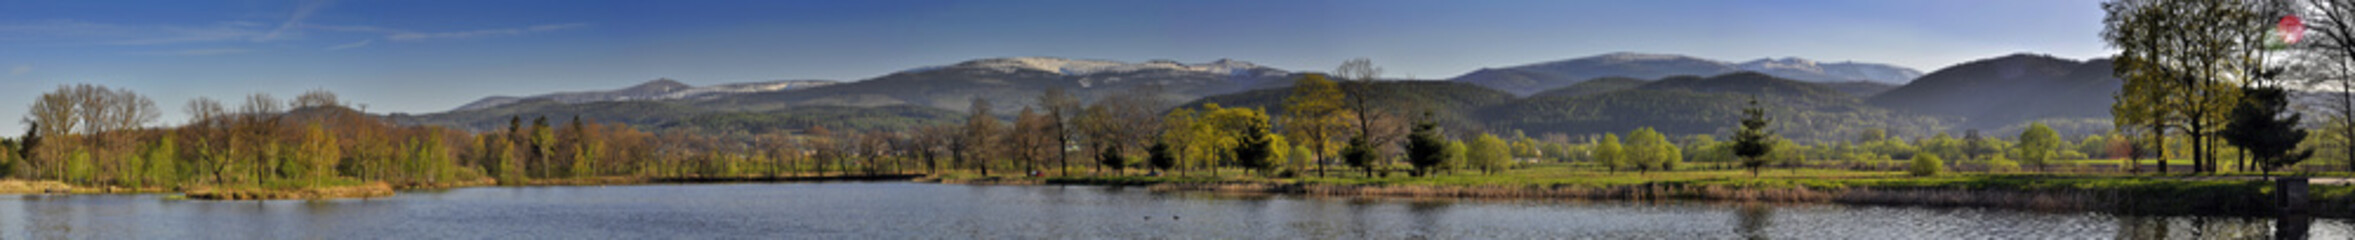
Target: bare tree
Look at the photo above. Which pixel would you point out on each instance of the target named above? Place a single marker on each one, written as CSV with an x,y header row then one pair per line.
x,y
1060,107
54,113
981,138
2330,50
259,105
203,110
315,98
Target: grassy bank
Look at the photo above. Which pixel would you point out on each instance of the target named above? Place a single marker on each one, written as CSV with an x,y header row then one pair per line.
x,y
331,190
2129,194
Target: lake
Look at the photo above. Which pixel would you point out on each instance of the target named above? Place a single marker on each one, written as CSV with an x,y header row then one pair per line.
x,y
897,210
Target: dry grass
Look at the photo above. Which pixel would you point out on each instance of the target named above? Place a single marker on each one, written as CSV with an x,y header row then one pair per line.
x,y
365,190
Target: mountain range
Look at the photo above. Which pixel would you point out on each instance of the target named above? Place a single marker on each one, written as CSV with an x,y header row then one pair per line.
x,y
2000,92
1669,92
658,89
1529,79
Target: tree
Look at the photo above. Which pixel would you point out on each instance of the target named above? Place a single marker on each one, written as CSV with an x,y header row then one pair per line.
x,y
1186,137
315,98
1751,141
1032,139
1926,165
1425,147
2331,48
1312,115
1258,146
318,156
2038,145
1060,109
2267,129
1489,153
981,137
1651,150
2182,60
1111,157
1610,154
1457,153
1161,156
1997,163
1300,156
1360,152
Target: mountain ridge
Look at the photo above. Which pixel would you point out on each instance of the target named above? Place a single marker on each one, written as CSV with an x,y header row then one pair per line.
x,y
1527,79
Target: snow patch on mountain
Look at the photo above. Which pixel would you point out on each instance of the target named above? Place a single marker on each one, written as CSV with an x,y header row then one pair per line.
x,y
1077,67
658,89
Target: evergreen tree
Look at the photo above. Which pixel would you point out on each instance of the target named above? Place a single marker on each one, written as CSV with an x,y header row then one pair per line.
x,y
2264,125
1751,142
1425,147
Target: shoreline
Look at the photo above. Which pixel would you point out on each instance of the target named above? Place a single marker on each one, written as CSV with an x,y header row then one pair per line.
x,y
2240,199
2249,198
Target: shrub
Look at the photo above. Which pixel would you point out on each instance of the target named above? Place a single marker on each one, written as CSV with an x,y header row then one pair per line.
x,y
1926,165
2001,164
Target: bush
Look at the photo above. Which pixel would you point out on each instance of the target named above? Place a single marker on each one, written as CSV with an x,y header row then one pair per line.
x,y
2001,164
1926,165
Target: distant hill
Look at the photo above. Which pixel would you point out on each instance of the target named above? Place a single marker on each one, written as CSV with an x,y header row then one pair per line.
x,y
2004,91
1013,82
1592,87
675,115
1451,102
1702,105
1811,71
1860,89
1529,79
658,89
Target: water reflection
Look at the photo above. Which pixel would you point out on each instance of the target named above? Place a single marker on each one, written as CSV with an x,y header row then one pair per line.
x,y
928,211
1427,214
1753,219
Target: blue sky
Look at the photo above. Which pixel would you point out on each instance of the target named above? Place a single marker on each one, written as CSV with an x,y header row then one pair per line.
x,y
428,56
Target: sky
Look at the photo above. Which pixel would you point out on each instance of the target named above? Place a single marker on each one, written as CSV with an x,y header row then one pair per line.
x,y
431,56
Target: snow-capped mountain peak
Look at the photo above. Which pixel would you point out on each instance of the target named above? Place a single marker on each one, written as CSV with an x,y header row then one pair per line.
x,y
1067,66
1784,63
658,89
1626,57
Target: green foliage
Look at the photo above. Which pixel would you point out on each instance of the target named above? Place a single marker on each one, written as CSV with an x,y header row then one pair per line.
x,y
1359,153
1425,148
1489,154
1751,141
1111,157
1650,150
1925,165
2038,145
2000,164
1692,105
1453,104
1457,154
79,169
1161,156
2259,126
162,161
1612,155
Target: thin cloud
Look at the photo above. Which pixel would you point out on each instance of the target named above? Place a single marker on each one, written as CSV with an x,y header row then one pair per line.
x,y
294,22
361,43
202,52
20,70
503,32
84,32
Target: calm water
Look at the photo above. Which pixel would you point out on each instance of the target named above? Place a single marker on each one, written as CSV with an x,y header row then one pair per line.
x,y
928,211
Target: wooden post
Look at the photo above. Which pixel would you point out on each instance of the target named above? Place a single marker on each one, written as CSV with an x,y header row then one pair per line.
x,y
2291,220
